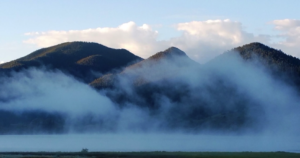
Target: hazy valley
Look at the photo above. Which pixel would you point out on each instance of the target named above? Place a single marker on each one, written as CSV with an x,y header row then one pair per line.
x,y
84,88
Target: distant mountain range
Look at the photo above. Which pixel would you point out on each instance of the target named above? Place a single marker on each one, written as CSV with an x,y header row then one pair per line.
x,y
81,59
167,77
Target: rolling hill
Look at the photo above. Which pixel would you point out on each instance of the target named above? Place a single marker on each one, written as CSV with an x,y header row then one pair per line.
x,y
79,59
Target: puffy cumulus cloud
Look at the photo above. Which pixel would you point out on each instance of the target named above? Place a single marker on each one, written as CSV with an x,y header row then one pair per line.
x,y
140,40
203,40
224,29
290,32
1,62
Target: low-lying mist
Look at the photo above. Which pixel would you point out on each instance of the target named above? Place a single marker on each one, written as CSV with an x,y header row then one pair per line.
x,y
173,105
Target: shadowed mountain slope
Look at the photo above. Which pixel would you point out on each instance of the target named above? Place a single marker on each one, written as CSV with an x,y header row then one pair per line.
x,y
268,56
283,67
79,59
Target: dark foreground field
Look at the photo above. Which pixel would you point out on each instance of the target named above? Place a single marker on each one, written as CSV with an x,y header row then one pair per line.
x,y
150,155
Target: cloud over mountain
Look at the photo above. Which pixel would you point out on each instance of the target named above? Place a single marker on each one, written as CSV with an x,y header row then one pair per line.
x,y
141,40
203,40
210,37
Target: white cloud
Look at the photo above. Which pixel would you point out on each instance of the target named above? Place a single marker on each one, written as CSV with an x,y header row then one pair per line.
x,y
201,40
290,32
1,62
206,39
286,24
140,40
207,30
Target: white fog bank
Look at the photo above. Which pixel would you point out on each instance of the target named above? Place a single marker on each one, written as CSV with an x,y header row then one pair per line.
x,y
148,142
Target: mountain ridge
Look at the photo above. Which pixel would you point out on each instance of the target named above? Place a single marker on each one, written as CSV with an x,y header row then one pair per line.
x,y
75,58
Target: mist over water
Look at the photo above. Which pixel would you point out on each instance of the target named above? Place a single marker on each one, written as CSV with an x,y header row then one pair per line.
x,y
252,110
148,142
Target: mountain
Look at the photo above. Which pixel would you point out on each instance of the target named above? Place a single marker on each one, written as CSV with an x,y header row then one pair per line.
x,y
202,96
162,65
272,58
269,56
229,93
79,59
282,66
172,55
168,54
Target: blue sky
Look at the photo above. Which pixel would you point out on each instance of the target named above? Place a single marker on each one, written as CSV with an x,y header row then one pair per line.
x,y
247,20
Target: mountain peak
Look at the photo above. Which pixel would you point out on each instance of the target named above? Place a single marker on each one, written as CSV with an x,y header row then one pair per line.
x,y
253,46
257,48
173,49
170,52
260,50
